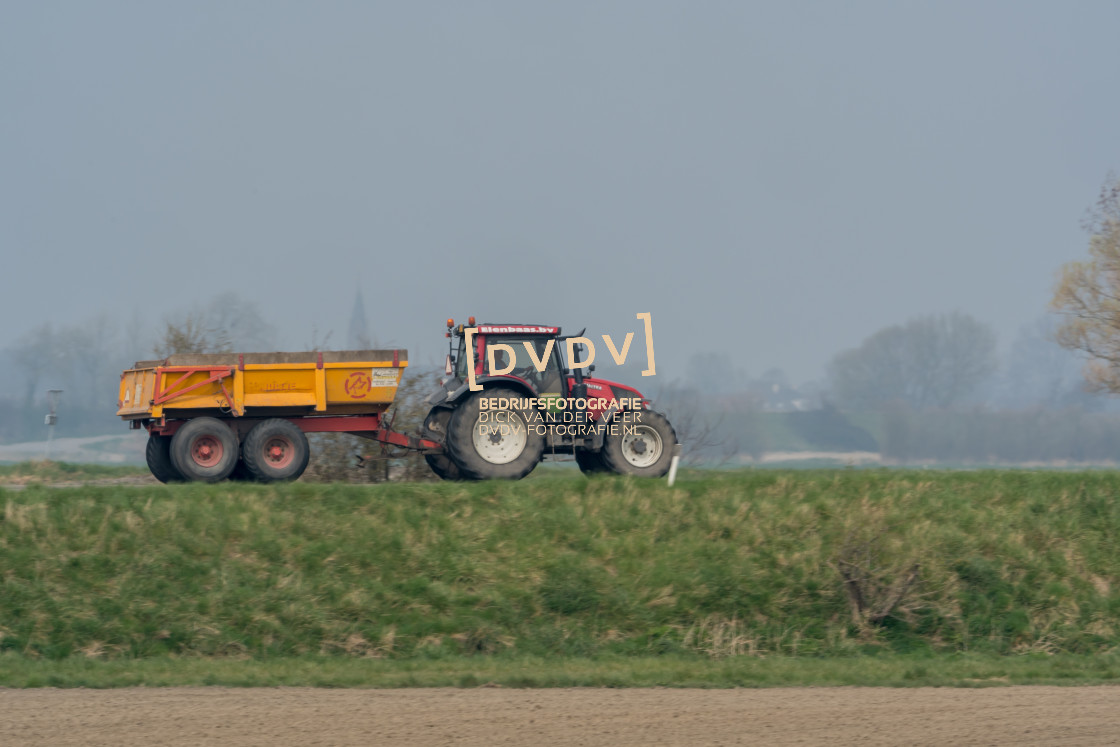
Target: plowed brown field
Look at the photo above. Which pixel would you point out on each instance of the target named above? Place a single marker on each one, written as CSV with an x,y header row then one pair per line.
x,y
493,716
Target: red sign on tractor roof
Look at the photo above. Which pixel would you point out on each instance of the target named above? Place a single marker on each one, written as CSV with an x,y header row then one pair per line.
x,y
523,329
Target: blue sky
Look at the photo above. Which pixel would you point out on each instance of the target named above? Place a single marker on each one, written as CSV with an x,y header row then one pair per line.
x,y
775,181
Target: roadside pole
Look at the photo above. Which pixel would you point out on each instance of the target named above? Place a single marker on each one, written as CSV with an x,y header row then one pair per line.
x,y
52,417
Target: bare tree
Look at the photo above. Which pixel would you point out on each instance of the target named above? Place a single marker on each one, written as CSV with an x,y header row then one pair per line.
x,y
931,361
135,340
36,354
1087,294
224,323
710,428
89,347
1038,373
698,431
238,323
875,588
190,335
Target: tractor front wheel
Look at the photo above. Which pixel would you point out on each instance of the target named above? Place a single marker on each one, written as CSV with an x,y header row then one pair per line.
x,y
643,448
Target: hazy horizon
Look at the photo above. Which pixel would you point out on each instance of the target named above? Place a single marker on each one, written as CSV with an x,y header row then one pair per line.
x,y
772,182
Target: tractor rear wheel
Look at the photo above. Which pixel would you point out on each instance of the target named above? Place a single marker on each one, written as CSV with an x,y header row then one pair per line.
x,y
158,456
590,462
435,428
643,447
204,450
493,444
444,468
275,451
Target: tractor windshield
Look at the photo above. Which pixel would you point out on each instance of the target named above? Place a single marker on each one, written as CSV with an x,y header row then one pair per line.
x,y
547,381
524,367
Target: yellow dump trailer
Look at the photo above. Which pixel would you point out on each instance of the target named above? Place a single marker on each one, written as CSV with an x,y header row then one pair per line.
x,y
344,382
244,415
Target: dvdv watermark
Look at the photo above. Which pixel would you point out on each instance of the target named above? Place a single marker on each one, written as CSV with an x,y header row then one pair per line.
x,y
540,362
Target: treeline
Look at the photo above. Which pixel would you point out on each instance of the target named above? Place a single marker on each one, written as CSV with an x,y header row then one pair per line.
x,y
906,436
935,388
20,421
85,360
993,437
932,389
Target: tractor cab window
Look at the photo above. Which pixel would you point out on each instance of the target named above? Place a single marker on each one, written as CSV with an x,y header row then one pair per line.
x,y
547,381
461,360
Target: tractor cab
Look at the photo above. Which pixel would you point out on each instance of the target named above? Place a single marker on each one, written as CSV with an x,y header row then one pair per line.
x,y
528,356
522,355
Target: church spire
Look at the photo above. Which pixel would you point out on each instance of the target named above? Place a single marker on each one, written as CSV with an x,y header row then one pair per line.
x,y
357,336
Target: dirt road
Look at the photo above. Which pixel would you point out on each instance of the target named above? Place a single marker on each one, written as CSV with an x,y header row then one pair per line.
x,y
491,716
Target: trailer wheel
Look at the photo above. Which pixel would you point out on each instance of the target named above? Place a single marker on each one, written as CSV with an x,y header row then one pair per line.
x,y
590,462
483,450
643,448
204,450
275,450
158,455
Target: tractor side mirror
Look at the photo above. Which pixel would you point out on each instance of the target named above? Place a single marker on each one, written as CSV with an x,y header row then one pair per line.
x,y
591,368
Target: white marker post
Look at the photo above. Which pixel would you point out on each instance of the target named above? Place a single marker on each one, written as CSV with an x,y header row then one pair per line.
x,y
673,464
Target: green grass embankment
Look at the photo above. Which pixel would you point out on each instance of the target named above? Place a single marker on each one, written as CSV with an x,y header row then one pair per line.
x,y
49,472
724,568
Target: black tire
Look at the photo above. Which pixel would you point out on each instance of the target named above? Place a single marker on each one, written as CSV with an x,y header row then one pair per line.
x,y
505,456
241,473
435,428
275,451
158,455
591,462
204,450
642,447
444,468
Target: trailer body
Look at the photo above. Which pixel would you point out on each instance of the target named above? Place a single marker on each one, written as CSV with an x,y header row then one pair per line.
x,y
244,415
348,382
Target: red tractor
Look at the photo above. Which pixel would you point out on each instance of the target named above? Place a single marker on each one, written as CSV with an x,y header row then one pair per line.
x,y
530,404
